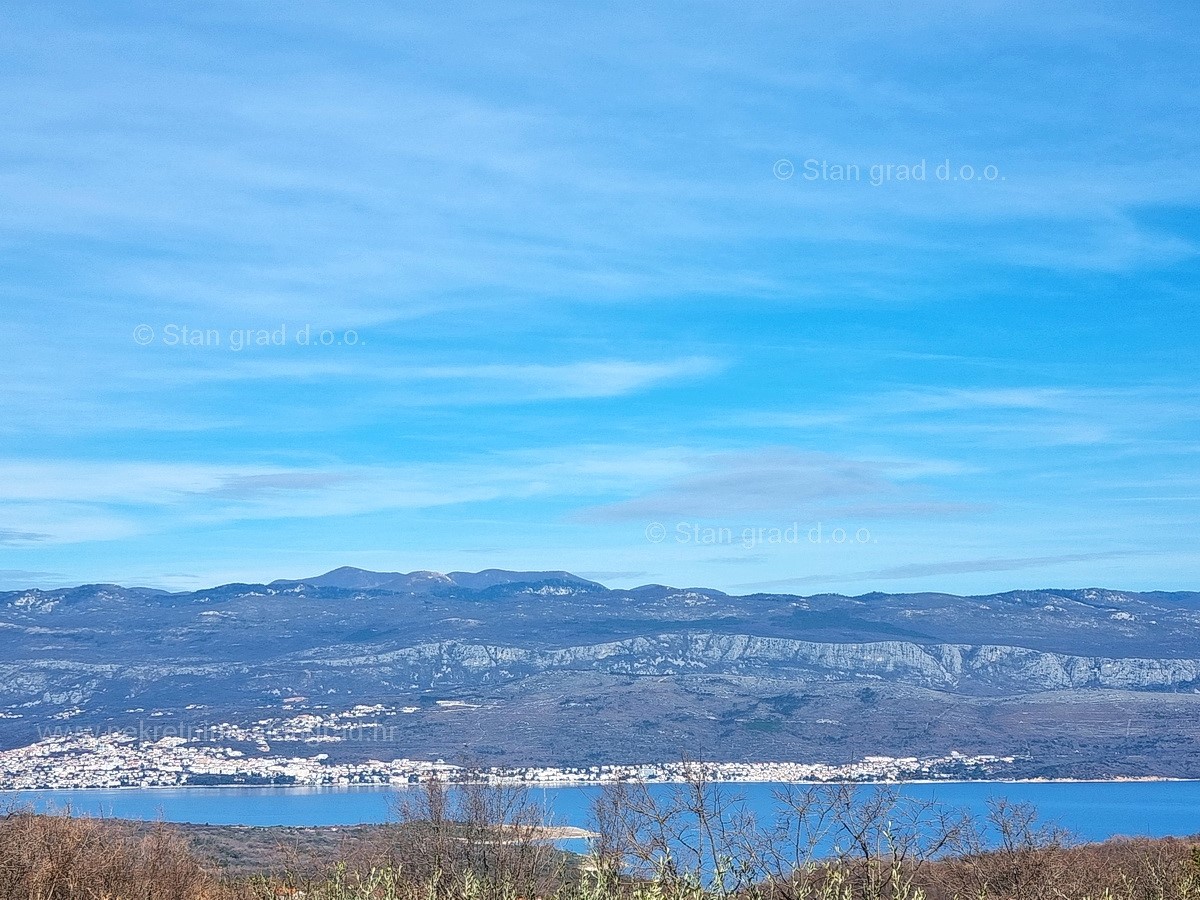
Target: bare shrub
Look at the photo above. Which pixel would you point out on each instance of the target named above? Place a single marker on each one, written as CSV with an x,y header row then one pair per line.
x,y
449,834
58,857
861,841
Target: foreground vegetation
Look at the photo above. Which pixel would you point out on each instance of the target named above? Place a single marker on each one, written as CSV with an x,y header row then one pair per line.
x,y
693,841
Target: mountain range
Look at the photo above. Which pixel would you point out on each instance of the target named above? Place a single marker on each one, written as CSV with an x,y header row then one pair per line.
x,y
549,668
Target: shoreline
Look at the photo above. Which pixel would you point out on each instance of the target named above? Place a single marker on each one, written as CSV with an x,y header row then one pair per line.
x,y
578,783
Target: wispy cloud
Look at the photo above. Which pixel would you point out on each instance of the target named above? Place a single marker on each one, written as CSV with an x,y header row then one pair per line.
x,y
19,579
925,570
1029,416
440,383
247,486
79,500
12,536
778,480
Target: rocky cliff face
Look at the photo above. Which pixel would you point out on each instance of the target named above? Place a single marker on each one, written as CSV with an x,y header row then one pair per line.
x,y
950,667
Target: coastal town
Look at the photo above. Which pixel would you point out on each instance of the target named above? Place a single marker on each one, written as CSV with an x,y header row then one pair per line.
x,y
168,756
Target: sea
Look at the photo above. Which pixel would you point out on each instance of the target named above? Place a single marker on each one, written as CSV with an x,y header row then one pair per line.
x,y
1090,810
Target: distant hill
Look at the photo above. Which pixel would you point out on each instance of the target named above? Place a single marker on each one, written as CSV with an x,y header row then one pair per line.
x,y
511,667
353,579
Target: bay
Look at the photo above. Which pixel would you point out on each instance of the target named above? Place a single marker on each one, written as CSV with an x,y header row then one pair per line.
x,y
1092,810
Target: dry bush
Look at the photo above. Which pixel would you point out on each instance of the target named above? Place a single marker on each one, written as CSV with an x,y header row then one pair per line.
x,y
1118,869
58,857
868,842
446,835
822,840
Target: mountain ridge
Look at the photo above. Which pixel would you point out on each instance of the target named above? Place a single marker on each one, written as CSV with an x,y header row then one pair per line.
x,y
549,668
354,578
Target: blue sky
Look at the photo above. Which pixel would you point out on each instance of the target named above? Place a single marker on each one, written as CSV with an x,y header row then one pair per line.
x,y
580,288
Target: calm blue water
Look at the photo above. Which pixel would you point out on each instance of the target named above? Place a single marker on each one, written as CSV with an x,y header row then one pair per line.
x,y
1092,810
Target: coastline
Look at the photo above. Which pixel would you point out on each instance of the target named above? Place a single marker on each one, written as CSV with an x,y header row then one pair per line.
x,y
578,783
